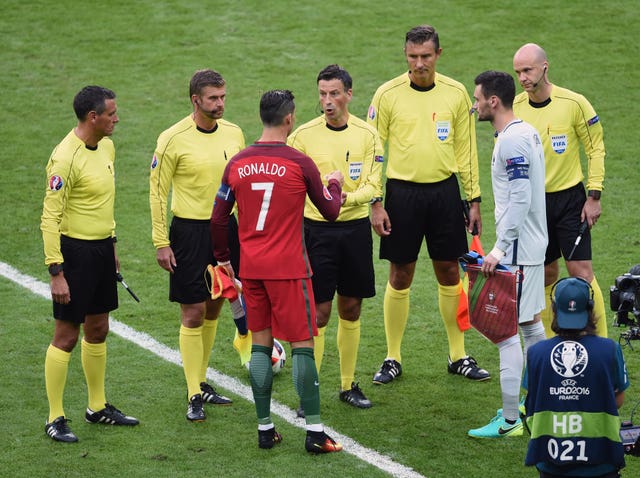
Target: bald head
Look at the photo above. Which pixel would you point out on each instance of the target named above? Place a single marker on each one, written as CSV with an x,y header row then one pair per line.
x,y
530,53
530,65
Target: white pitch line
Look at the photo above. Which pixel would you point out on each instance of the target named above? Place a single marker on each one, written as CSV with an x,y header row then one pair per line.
x,y
226,382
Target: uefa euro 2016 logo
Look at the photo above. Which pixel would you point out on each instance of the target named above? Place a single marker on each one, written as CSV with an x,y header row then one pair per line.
x,y
569,359
55,183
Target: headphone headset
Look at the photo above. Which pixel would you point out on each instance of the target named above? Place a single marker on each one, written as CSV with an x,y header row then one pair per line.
x,y
544,72
553,290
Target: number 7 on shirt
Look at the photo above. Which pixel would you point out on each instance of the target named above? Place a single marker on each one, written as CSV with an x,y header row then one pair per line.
x,y
266,201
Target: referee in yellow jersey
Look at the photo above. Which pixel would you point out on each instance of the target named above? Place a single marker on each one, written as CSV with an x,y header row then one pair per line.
x,y
425,120
189,160
565,120
78,231
341,252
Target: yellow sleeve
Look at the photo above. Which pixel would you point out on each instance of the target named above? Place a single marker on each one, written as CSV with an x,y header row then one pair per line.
x,y
163,166
589,130
465,149
113,224
58,184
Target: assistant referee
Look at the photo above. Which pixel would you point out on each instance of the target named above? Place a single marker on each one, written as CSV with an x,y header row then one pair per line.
x,y
78,231
189,160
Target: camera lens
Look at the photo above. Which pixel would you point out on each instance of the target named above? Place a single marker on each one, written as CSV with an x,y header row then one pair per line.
x,y
625,283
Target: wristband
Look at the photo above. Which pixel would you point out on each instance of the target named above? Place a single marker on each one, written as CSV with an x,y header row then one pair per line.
x,y
594,194
376,199
478,199
224,263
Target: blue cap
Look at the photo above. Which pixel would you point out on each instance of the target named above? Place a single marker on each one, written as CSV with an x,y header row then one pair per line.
x,y
572,296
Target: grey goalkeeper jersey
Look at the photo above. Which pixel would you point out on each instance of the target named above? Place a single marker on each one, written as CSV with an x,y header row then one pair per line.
x,y
517,175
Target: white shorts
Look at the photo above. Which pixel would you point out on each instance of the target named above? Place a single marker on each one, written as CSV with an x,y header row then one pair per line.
x,y
531,299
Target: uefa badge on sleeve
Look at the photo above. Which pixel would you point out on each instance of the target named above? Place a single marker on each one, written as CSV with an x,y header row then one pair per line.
x,y
55,183
372,112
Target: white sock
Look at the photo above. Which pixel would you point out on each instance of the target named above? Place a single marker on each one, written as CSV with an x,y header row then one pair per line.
x,y
236,308
532,334
511,363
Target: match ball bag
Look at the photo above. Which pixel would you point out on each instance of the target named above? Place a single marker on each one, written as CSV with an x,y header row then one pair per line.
x,y
493,307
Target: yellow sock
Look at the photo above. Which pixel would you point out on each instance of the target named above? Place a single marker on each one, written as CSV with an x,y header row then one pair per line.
x,y
396,314
598,309
448,300
56,364
547,313
348,343
318,347
94,364
191,353
209,330
242,344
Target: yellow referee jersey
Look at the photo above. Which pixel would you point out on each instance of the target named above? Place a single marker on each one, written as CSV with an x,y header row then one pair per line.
x,y
564,122
80,194
430,132
354,150
190,162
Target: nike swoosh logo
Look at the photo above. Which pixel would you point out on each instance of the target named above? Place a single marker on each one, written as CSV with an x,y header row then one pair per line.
x,y
316,383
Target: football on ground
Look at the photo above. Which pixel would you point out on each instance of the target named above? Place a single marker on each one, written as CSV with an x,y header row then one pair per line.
x,y
278,357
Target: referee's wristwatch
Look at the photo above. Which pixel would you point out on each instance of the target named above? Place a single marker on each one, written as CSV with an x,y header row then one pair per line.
x,y
594,194
55,269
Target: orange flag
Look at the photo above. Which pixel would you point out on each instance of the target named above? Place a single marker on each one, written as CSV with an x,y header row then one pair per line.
x,y
221,283
476,245
463,306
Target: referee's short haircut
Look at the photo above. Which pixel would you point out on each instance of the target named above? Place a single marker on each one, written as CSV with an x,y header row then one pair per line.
x,y
422,34
335,72
204,78
91,98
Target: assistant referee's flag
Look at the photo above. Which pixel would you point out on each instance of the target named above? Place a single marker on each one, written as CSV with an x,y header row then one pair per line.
x,y
463,305
221,284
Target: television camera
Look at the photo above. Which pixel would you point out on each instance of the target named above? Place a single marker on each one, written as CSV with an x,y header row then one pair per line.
x,y
624,298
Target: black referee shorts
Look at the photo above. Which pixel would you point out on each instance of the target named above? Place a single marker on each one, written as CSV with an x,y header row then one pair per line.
x,y
429,211
90,271
563,223
191,244
341,257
